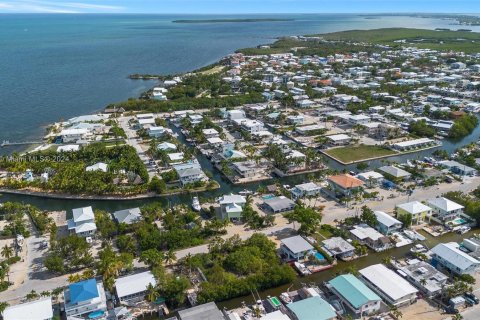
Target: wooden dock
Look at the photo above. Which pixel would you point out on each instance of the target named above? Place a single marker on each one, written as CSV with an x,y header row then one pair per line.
x,y
7,143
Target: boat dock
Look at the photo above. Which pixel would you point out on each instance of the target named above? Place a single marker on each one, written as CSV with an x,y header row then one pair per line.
x,y
7,143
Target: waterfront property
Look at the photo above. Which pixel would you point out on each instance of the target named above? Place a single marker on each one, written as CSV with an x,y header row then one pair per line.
x,y
371,178
308,189
208,311
416,209
425,277
278,204
370,237
133,288
458,168
414,144
355,295
85,300
83,222
295,248
387,224
339,248
127,216
40,309
231,206
395,173
312,308
389,285
450,257
445,210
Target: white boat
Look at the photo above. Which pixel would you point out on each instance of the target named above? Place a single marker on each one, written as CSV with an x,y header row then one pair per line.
x,y
464,229
301,268
196,204
245,192
414,235
418,248
285,298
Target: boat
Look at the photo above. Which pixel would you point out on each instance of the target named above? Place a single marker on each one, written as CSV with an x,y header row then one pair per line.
x,y
301,268
414,235
418,248
196,204
463,230
245,192
285,297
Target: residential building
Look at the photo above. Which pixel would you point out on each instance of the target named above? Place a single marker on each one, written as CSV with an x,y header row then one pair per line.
x,y
395,173
413,144
278,204
295,248
450,257
189,172
339,139
344,185
389,285
355,295
83,222
231,206
458,168
444,210
157,132
166,146
85,300
73,135
40,309
206,311
339,248
386,224
312,308
133,288
370,237
309,189
246,169
100,166
210,133
418,210
424,276
371,178
128,216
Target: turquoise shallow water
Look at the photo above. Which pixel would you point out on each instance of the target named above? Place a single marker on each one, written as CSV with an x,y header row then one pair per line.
x,y
54,67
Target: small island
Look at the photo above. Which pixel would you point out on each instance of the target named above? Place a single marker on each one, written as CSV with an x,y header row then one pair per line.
x,y
232,20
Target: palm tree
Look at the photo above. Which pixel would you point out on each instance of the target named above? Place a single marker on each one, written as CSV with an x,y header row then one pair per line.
x,y
3,306
45,293
152,293
74,278
7,252
170,256
457,316
397,314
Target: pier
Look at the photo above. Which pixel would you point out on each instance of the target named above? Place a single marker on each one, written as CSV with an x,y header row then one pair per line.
x,y
7,143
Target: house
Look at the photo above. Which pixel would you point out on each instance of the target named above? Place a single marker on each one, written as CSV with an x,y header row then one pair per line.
x,y
133,288
355,295
83,222
128,216
246,169
157,132
100,166
395,173
339,248
312,308
450,257
413,144
370,237
339,139
210,133
425,277
371,178
189,172
295,248
146,123
175,156
418,210
386,224
444,210
278,204
166,146
73,135
252,126
205,311
458,168
235,114
344,185
231,206
310,130
389,285
85,299
309,189
40,309
298,120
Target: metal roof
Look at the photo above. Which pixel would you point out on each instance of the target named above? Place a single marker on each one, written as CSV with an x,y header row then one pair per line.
x,y
297,244
34,310
353,290
134,284
207,311
313,308
450,252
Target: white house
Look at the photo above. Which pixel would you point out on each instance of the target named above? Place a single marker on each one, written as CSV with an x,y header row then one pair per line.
x,y
189,172
295,248
445,210
416,209
133,288
83,222
73,135
308,189
100,166
34,310
387,224
371,178
231,206
450,257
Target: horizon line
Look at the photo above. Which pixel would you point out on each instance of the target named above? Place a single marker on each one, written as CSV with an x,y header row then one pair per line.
x,y
242,13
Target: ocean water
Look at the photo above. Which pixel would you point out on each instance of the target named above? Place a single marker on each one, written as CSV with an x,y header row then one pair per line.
x,y
55,67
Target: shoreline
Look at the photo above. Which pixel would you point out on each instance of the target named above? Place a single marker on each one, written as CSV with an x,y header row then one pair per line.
x,y
66,196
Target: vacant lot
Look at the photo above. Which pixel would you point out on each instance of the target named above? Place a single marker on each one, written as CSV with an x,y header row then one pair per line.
x,y
357,153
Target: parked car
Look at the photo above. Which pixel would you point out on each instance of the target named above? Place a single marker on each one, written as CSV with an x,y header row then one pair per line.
x,y
473,297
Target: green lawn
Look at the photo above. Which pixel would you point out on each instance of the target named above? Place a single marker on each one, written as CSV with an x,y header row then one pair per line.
x,y
358,153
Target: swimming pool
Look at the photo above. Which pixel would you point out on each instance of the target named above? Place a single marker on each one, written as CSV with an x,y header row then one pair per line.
x,y
459,221
319,256
268,196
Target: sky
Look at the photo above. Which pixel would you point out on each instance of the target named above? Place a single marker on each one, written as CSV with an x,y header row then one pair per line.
x,y
238,6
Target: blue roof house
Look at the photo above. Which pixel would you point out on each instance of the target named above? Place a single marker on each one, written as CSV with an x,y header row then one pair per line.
x,y
313,308
355,295
86,299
